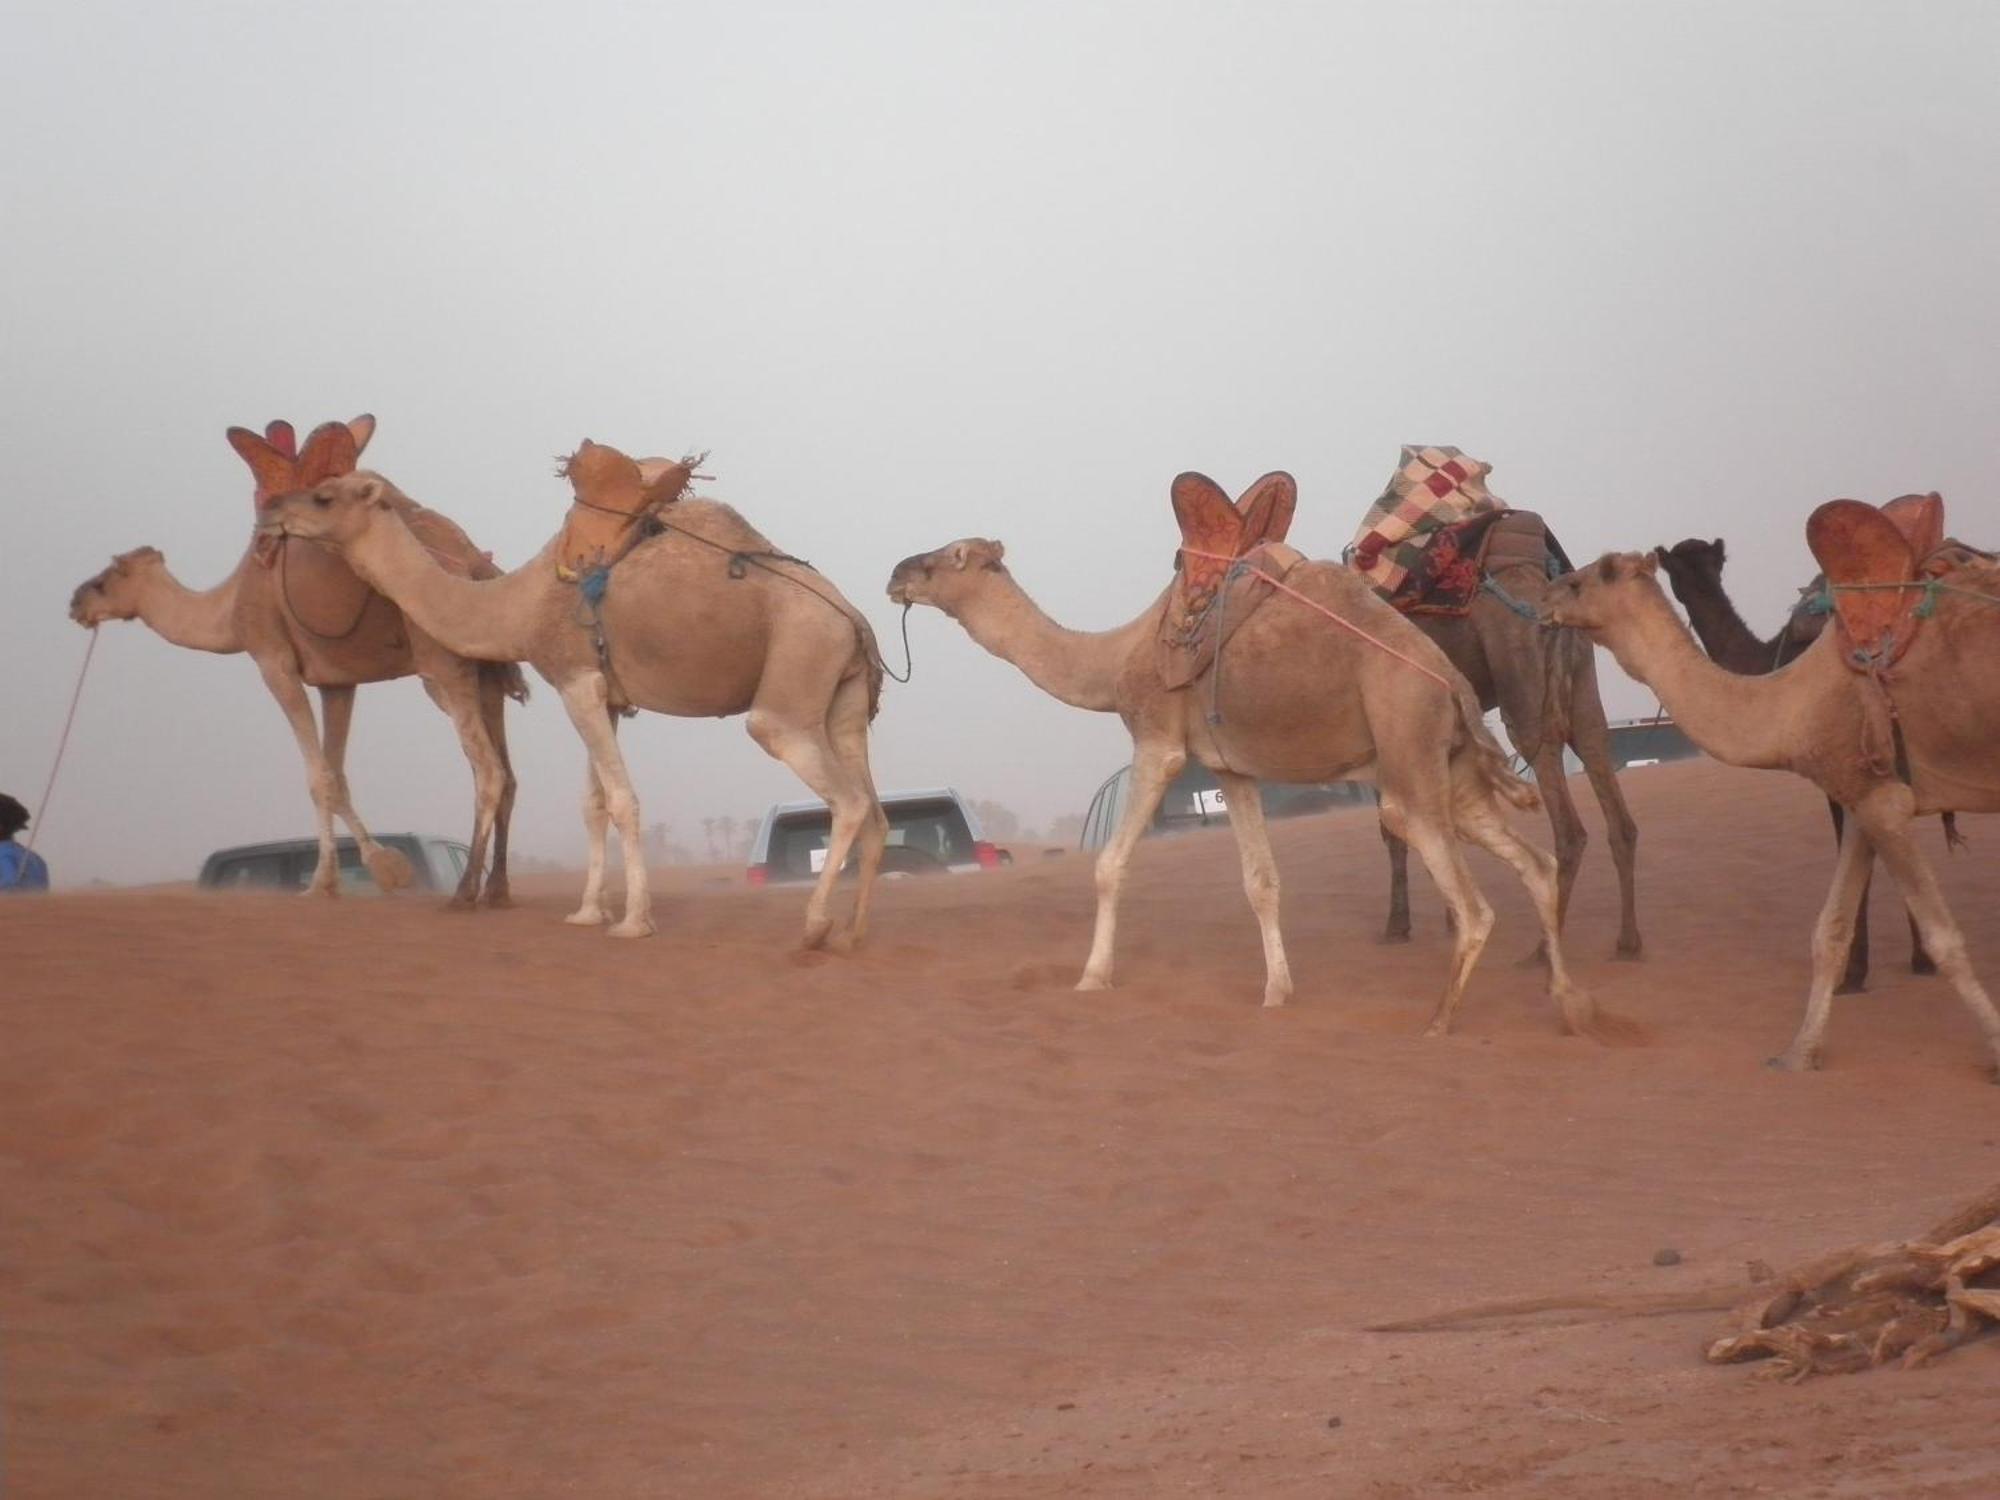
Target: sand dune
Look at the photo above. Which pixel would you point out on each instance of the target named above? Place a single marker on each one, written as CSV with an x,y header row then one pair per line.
x,y
361,1199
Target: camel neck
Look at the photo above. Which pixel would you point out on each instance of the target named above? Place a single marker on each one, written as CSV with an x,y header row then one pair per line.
x,y
1079,667
199,619
1722,632
484,619
1737,718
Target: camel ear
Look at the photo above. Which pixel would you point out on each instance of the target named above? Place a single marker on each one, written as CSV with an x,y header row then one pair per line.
x,y
274,472
1659,554
1649,565
329,452
1720,555
362,428
370,490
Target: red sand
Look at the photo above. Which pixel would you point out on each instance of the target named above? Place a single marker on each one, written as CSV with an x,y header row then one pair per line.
x,y
358,1199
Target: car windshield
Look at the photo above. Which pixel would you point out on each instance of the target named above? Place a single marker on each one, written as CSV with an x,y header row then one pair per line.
x,y
932,827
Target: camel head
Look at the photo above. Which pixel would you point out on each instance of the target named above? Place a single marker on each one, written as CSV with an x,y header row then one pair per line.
x,y
948,577
335,511
1693,567
1593,597
114,593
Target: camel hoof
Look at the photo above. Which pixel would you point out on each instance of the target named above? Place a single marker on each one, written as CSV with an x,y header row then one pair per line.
x,y
1393,936
1923,963
637,928
1538,958
1851,987
1629,954
328,891
458,905
1273,1001
497,901
816,935
1436,1029
586,917
1794,1062
1090,982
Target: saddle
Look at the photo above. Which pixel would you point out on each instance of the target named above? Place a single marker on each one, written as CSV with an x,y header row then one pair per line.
x,y
1211,598
614,496
320,591
1876,561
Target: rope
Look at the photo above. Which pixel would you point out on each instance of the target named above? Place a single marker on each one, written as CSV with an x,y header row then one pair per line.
x,y
1238,564
1822,603
62,744
1525,611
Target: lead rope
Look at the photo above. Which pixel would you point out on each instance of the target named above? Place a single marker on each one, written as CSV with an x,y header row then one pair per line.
x,y
62,744
1314,604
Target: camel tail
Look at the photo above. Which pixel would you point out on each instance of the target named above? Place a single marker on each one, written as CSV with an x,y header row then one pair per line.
x,y
1489,760
510,677
871,661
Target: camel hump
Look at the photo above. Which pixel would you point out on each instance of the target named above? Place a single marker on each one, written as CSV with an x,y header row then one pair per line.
x,y
1865,554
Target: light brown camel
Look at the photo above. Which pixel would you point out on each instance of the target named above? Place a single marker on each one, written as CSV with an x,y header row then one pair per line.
x,y
1544,682
1291,698
1814,718
702,618
1694,572
306,620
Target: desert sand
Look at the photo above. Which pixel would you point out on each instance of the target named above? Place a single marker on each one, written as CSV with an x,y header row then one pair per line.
x,y
360,1199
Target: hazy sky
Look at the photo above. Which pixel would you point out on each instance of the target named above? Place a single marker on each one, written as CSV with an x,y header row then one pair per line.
x,y
913,272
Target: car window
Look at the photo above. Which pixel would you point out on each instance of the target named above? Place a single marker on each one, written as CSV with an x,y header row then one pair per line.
x,y
256,872
935,826
796,838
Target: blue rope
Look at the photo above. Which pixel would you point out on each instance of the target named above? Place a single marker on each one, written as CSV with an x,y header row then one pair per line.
x,y
592,584
1525,611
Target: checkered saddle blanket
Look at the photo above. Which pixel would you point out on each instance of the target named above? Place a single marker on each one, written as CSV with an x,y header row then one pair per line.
x,y
1432,489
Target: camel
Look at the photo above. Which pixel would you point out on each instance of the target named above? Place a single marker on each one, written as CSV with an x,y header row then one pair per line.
x,y
1544,682
306,620
701,618
1292,698
1694,572
1816,717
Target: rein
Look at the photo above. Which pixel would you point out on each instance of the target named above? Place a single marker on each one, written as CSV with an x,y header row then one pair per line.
x,y
62,743
1240,566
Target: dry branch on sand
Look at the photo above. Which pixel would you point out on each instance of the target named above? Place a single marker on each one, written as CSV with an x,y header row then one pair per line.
x,y
1851,1310
1865,1306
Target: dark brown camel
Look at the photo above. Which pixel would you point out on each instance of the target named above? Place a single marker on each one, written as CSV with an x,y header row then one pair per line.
x,y
1694,569
1544,682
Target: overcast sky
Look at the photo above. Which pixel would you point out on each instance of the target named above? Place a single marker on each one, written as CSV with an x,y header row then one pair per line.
x,y
913,272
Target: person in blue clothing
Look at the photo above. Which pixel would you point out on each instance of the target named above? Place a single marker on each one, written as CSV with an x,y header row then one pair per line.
x,y
20,869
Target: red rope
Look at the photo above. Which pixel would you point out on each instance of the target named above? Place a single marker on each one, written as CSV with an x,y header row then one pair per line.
x,y
1347,625
63,743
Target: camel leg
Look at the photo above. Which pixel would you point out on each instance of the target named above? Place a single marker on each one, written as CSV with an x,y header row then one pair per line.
x,y
1482,822
493,711
847,726
1398,928
590,911
458,694
1833,939
588,700
1153,768
388,867
1590,736
1260,878
1886,818
1565,825
291,696
1428,832
810,753
1854,981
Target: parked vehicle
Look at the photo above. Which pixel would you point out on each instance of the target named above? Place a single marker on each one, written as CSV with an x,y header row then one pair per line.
x,y
287,865
931,832
1194,800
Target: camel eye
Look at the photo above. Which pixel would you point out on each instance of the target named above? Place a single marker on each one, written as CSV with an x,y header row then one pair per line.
x,y
322,501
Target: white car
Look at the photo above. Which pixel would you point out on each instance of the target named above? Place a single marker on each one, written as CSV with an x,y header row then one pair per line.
x,y
931,832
